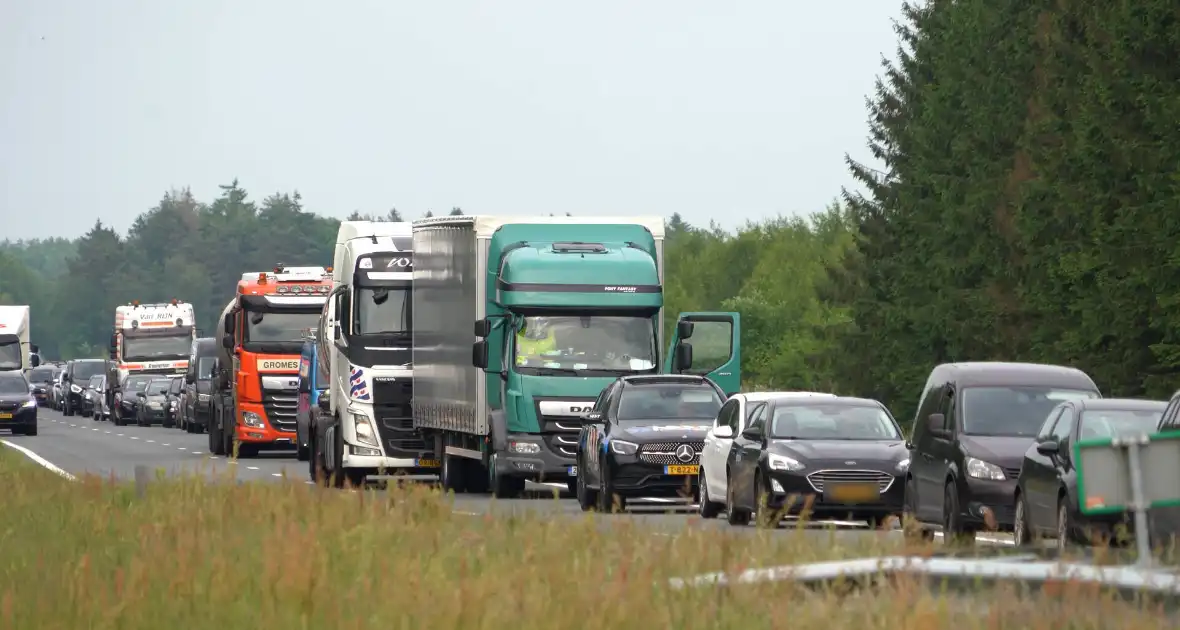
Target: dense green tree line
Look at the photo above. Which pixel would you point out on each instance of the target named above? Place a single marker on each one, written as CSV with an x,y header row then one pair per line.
x,y
1028,209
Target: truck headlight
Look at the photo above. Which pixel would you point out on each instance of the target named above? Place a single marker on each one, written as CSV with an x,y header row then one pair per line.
x,y
363,427
252,420
202,397
524,448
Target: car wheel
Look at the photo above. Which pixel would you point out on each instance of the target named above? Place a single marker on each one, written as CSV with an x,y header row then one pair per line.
x,y
1021,532
734,515
706,507
1064,525
953,531
766,517
587,498
608,501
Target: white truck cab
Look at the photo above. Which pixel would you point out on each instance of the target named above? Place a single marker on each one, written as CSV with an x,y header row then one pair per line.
x,y
366,426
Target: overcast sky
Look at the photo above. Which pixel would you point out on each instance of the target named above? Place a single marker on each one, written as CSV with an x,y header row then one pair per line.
x,y
719,110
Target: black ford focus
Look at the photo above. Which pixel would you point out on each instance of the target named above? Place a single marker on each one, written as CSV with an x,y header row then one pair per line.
x,y
836,457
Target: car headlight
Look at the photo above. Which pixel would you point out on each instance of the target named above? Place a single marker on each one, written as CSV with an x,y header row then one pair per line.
x,y
75,389
172,405
364,429
782,462
623,447
252,420
903,465
980,469
29,403
154,405
203,397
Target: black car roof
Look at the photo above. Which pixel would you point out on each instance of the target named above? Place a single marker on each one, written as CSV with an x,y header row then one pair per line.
x,y
665,379
1120,404
983,373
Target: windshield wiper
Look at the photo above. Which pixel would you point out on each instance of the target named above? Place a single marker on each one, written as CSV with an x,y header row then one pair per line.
x,y
552,371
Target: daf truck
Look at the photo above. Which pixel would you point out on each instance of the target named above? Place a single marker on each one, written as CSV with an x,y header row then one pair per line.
x,y
255,393
148,339
366,329
15,352
519,325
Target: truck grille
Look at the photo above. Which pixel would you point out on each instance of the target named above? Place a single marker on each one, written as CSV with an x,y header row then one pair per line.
x,y
664,453
819,478
560,431
393,406
280,408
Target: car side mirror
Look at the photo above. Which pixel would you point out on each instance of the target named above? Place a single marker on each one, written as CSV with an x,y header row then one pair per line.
x,y
684,329
752,433
594,416
936,422
325,402
227,341
479,354
1048,448
724,431
683,356
483,328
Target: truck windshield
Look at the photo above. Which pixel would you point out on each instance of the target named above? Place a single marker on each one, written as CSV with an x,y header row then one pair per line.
x,y
617,344
156,347
10,355
279,327
382,310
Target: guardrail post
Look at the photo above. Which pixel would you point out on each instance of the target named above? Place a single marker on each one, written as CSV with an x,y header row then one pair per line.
x,y
141,480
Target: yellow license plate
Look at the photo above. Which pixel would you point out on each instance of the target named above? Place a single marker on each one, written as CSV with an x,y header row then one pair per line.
x,y
681,470
5,416
429,463
855,492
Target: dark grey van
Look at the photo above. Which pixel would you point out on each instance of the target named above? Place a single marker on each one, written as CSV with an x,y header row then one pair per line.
x,y
198,385
974,423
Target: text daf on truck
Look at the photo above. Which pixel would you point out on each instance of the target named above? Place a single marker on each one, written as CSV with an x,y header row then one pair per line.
x,y
366,329
255,393
561,307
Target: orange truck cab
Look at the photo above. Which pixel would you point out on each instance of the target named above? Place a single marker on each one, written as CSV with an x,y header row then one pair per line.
x,y
256,386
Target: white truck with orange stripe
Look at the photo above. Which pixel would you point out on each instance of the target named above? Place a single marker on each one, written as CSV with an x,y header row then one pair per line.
x,y
150,339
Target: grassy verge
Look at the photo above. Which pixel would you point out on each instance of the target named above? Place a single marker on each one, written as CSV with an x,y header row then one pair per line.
x,y
196,555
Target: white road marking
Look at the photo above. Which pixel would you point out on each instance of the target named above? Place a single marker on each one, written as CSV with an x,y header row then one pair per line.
x,y
107,432
134,438
196,452
276,474
213,457
40,460
181,448
167,444
252,467
94,429
119,434
151,441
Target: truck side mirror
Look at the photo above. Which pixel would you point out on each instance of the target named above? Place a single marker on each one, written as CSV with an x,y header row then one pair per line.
x,y
325,402
34,360
683,356
479,354
483,328
190,378
684,329
227,341
228,325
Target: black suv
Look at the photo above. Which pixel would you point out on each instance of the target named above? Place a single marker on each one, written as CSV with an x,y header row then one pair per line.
x,y
974,423
643,438
77,377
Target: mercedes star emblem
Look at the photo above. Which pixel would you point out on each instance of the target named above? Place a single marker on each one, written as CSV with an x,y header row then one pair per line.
x,y
684,453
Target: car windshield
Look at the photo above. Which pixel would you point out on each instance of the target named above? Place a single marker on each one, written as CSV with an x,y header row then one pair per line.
x,y
95,382
1017,411
174,387
156,347
205,367
698,403
158,386
136,383
832,422
11,383
83,370
1111,423
282,327
576,344
41,375
382,310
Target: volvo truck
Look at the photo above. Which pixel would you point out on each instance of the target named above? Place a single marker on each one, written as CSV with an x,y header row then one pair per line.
x,y
148,339
519,325
15,351
365,331
255,394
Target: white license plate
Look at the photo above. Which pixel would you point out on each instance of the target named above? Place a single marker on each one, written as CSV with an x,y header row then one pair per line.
x,y
573,471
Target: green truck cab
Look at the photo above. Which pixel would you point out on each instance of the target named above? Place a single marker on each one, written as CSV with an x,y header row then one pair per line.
x,y
519,325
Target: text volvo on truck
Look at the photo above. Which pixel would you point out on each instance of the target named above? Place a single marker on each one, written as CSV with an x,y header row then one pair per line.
x,y
366,332
255,392
521,322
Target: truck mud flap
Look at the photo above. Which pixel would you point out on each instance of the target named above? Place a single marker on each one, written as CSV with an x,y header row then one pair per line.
x,y
499,431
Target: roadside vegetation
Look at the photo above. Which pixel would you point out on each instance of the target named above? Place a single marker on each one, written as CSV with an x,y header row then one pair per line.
x,y
193,554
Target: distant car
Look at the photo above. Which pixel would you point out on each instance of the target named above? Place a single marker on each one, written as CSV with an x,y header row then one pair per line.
x,y
643,438
153,401
172,401
100,411
78,374
41,383
1047,488
838,457
126,402
18,406
730,422
91,392
57,395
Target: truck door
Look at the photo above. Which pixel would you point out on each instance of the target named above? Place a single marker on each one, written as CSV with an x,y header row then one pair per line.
x,y
715,346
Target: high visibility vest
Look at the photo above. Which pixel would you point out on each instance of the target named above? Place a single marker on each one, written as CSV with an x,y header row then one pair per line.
x,y
526,347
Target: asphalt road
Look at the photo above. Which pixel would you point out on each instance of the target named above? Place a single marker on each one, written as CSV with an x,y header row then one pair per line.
x,y
80,445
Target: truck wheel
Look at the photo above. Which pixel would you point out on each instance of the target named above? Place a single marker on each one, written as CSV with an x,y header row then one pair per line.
x,y
503,486
302,453
475,475
451,475
216,445
344,477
